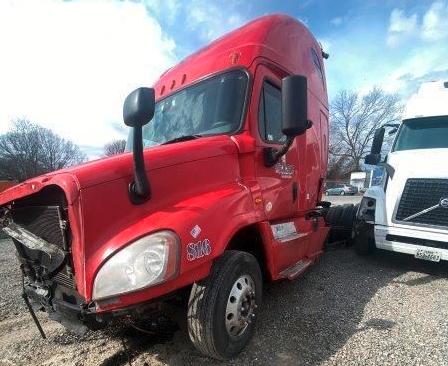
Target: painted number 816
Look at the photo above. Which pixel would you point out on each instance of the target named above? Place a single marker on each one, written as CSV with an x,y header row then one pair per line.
x,y
198,250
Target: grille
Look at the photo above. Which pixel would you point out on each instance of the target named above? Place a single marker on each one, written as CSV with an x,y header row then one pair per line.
x,y
421,194
43,221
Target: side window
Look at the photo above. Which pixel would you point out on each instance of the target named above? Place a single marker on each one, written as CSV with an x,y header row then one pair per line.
x,y
270,114
317,64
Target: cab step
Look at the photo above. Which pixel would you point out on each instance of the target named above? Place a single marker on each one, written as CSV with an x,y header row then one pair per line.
x,y
296,269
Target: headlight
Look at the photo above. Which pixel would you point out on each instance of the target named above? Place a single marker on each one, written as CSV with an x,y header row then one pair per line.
x,y
366,209
146,262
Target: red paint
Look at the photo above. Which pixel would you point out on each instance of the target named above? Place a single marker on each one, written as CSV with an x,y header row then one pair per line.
x,y
5,184
219,183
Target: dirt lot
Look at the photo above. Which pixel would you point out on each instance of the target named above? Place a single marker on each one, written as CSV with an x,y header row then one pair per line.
x,y
347,310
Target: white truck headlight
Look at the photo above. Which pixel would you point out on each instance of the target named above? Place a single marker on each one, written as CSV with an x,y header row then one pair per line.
x,y
366,210
148,261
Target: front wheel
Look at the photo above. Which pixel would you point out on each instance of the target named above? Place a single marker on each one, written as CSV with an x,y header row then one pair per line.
x,y
342,193
222,309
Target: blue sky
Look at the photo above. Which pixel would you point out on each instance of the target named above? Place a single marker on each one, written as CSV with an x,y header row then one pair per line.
x,y
68,65
392,44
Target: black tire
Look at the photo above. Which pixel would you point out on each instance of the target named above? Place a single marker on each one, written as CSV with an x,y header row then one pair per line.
x,y
342,193
348,216
333,215
208,301
341,221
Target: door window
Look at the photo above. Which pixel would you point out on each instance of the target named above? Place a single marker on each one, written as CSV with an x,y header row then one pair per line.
x,y
270,114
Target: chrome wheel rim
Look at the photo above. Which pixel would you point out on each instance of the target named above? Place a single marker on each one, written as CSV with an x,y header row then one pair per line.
x,y
241,305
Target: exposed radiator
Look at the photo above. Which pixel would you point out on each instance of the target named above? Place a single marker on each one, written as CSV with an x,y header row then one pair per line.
x,y
46,222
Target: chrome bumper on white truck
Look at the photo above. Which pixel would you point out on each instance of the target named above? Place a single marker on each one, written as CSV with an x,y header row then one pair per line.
x,y
422,244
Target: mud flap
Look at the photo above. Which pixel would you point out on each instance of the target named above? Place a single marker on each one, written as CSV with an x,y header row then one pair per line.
x,y
364,237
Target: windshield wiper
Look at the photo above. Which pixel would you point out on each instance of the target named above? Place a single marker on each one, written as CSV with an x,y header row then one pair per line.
x,y
182,138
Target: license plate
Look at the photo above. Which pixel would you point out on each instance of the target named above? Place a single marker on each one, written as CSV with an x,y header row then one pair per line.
x,y
428,255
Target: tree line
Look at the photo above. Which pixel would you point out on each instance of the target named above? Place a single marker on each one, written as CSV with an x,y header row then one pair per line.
x,y
354,117
28,150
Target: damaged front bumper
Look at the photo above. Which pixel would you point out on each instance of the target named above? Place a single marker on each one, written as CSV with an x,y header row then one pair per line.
x,y
49,285
40,290
67,308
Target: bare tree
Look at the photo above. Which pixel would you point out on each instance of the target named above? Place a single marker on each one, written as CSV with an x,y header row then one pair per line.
x,y
354,119
114,147
28,150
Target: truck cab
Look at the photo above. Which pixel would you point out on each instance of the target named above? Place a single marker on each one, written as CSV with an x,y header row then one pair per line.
x,y
219,190
408,212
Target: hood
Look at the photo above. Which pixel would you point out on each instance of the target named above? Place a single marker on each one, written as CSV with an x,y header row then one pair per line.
x,y
184,178
424,163
73,179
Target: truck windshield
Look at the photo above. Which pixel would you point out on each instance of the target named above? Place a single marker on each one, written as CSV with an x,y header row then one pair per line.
x,y
423,133
210,107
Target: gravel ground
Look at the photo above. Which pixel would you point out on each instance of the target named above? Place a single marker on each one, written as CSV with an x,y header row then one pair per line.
x,y
346,310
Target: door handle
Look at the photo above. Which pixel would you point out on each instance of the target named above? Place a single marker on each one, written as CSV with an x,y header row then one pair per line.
x,y
295,190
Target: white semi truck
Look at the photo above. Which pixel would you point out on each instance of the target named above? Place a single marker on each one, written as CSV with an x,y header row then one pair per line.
x,y
408,212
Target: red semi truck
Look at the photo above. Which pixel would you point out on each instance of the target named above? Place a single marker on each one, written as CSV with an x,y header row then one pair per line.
x,y
219,190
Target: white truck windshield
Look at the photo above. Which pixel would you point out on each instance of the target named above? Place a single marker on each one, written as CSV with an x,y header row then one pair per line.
x,y
422,133
210,107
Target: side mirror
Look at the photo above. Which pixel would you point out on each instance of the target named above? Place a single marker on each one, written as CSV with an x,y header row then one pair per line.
x,y
393,131
375,152
372,159
377,142
138,110
294,115
294,105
